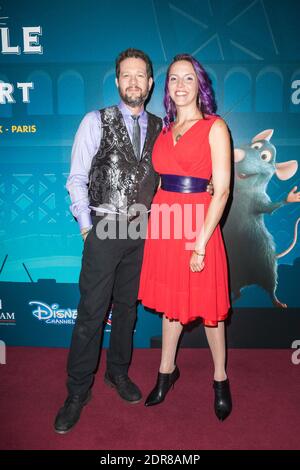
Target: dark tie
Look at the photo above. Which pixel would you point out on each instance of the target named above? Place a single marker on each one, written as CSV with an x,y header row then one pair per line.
x,y
136,137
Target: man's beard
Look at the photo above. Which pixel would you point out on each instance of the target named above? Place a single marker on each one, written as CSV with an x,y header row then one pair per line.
x,y
134,102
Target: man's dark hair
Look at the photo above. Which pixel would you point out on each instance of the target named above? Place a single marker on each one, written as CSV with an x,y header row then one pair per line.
x,y
136,54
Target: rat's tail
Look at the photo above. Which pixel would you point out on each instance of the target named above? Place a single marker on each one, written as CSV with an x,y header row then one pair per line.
x,y
285,252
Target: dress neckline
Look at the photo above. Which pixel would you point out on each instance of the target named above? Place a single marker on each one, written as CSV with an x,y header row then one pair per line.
x,y
186,132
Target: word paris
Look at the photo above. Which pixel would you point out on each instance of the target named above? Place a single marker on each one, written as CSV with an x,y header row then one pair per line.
x,y
30,46
30,41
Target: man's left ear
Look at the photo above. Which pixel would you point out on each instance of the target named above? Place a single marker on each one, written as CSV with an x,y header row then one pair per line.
x,y
150,83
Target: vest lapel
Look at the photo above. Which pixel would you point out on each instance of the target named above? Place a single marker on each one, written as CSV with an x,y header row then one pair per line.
x,y
127,142
149,134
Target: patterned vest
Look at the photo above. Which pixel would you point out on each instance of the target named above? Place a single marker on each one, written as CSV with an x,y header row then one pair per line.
x,y
116,179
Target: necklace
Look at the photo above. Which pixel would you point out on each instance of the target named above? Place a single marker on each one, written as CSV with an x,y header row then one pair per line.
x,y
178,136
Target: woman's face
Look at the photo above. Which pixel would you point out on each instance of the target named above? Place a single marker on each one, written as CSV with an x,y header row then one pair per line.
x,y
183,83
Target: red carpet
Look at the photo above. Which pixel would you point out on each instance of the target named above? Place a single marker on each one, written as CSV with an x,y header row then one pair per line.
x,y
265,388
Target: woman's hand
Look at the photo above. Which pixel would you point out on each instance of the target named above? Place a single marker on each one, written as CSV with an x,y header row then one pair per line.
x,y
197,261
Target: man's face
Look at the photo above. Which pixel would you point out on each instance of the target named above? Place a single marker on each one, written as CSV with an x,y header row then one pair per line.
x,y
133,83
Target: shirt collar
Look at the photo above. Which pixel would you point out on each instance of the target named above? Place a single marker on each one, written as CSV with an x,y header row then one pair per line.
x,y
126,111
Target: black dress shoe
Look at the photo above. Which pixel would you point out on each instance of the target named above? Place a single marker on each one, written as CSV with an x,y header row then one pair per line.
x,y
69,414
163,385
127,390
223,403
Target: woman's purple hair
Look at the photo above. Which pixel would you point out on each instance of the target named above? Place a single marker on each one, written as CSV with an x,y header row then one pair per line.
x,y
205,100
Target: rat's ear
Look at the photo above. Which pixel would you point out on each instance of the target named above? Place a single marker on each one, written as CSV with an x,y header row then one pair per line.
x,y
239,155
264,135
286,170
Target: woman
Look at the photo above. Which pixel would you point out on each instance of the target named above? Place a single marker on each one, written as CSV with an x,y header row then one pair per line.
x,y
187,280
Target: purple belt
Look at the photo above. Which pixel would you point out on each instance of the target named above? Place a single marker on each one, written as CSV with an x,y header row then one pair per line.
x,y
183,184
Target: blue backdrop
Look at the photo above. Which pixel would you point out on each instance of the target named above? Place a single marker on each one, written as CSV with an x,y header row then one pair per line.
x,y
66,50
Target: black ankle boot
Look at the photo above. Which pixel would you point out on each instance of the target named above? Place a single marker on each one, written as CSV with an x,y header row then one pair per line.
x,y
163,385
223,403
69,414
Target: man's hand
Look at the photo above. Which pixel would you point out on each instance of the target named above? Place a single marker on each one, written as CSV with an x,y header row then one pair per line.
x,y
85,231
210,188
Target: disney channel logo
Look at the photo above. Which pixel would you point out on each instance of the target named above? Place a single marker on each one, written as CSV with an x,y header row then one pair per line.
x,y
53,314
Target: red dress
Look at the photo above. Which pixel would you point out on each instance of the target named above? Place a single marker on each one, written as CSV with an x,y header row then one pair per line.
x,y
167,283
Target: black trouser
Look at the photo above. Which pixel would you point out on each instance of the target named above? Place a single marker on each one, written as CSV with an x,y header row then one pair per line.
x,y
110,270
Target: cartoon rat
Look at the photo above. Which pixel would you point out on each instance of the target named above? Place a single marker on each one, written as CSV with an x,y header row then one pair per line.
x,y
250,247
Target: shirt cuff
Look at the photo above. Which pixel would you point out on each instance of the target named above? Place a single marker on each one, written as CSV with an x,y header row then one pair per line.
x,y
85,220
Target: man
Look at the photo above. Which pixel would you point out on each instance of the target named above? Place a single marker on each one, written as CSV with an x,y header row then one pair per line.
x,y
111,171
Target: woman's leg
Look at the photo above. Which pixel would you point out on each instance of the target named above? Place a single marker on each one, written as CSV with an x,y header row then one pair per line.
x,y
171,331
216,340
168,372
222,400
